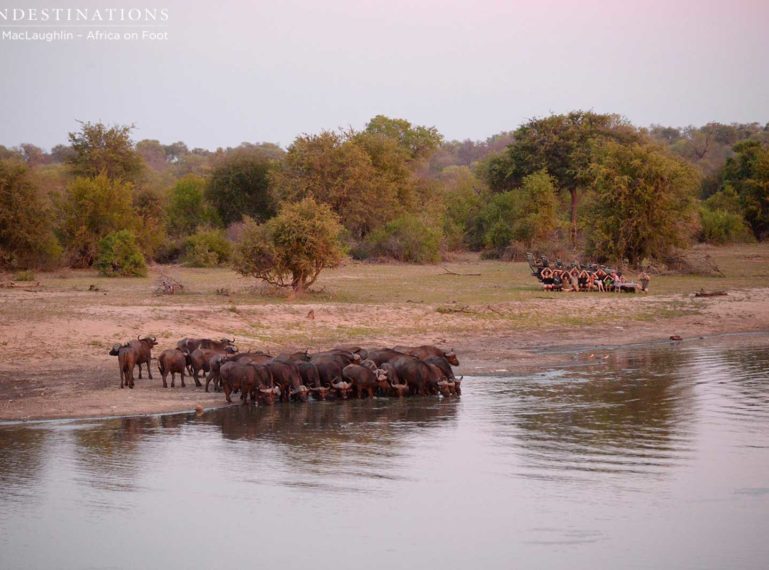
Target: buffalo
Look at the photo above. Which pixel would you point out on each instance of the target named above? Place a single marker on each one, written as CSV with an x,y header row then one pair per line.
x,y
426,351
172,361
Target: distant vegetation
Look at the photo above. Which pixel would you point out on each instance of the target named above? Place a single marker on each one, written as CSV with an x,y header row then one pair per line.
x,y
573,185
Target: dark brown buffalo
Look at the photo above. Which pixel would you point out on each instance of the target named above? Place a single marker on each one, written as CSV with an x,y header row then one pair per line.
x,y
190,344
364,380
285,375
126,360
382,355
340,388
200,360
311,379
172,361
362,352
442,363
330,364
143,347
427,350
438,383
414,372
250,379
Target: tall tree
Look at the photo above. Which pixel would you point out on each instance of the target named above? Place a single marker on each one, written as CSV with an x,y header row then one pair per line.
x,y
240,186
644,203
562,144
98,149
187,207
92,208
748,173
334,170
26,234
417,140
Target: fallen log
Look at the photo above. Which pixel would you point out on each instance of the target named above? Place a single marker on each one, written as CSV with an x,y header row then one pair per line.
x,y
703,293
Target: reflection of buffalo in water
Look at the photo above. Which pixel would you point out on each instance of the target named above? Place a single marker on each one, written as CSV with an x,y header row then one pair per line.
x,y
341,438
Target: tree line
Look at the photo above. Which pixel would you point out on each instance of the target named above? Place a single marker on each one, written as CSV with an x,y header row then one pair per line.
x,y
576,184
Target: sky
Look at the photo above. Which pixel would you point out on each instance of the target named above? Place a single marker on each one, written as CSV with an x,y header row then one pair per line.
x,y
259,70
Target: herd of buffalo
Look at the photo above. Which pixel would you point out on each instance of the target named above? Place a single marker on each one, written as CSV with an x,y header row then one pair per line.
x,y
332,374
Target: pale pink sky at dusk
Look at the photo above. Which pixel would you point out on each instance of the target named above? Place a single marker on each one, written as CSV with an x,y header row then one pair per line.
x,y
268,71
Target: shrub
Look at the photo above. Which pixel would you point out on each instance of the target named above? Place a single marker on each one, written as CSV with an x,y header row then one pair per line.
x,y
187,207
291,249
91,209
24,275
207,248
406,238
26,234
721,227
120,255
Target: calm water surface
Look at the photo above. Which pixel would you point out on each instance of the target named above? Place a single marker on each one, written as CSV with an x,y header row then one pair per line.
x,y
649,458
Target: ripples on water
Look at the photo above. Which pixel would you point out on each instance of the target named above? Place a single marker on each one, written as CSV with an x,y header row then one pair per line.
x,y
648,458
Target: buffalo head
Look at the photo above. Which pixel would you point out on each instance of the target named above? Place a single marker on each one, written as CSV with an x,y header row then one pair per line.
x,y
319,392
341,387
148,340
451,356
300,392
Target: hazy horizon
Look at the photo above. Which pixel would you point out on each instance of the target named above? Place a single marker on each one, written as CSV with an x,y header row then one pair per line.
x,y
262,72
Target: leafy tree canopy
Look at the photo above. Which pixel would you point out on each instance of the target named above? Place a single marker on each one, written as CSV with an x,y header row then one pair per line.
x,y
98,148
291,249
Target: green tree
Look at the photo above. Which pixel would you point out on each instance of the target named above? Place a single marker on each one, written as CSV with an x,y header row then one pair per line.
x,y
417,141
644,203
91,208
462,195
240,186
150,208
120,256
562,144
98,149
291,249
188,208
26,232
207,248
747,172
339,173
408,238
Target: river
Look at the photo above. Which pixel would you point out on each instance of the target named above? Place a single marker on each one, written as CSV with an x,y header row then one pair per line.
x,y
650,457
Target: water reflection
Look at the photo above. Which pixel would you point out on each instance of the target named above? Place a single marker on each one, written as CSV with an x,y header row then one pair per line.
x,y
624,412
109,448
22,461
334,446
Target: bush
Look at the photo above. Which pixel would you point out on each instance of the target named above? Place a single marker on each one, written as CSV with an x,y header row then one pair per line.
x,y
92,208
120,255
291,249
25,275
207,248
406,238
26,234
721,227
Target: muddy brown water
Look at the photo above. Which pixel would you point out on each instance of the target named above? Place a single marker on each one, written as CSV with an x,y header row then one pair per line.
x,y
656,457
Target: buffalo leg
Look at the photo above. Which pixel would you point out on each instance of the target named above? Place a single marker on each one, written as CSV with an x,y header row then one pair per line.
x,y
164,376
173,379
182,375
